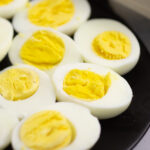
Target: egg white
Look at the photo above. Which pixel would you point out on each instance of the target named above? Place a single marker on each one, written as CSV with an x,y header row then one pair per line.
x,y
45,95
71,50
8,121
89,30
86,126
6,35
22,24
9,10
116,100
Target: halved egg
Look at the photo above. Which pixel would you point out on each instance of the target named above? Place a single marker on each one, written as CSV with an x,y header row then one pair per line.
x,y
8,121
63,15
62,126
100,89
43,48
8,8
109,43
6,35
24,88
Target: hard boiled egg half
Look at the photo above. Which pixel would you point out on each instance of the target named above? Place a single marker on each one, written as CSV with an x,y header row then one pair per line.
x,y
62,126
6,35
109,43
63,15
100,89
24,88
8,121
8,8
43,48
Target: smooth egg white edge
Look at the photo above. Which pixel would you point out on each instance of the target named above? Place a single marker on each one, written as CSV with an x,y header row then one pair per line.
x,y
116,100
6,35
7,11
71,55
87,126
90,29
22,24
8,122
45,95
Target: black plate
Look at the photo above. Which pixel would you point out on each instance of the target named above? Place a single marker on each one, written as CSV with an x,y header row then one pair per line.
x,y
124,131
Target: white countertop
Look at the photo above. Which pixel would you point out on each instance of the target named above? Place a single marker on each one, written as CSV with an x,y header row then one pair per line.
x,y
144,144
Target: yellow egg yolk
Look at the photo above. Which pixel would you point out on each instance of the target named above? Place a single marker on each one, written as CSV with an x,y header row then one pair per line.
x,y
18,84
86,85
43,50
5,2
51,13
112,45
47,130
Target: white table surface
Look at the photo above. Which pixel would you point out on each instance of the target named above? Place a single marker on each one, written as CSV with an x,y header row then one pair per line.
x,y
144,144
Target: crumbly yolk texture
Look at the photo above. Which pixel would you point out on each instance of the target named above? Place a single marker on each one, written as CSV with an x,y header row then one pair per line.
x,y
47,130
18,83
5,2
51,13
86,85
112,45
43,50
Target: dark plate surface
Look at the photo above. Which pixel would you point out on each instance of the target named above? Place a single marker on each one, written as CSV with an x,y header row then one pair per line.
x,y
124,131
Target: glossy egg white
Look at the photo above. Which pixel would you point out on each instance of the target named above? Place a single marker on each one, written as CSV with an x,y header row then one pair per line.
x,y
9,10
43,96
71,50
8,121
22,23
6,35
89,30
114,102
86,126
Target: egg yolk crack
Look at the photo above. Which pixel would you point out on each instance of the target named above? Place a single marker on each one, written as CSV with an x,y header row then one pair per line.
x,y
43,50
86,85
51,13
5,2
47,130
112,45
18,84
